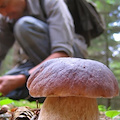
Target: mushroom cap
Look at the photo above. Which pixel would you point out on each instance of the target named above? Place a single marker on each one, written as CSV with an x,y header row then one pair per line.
x,y
73,77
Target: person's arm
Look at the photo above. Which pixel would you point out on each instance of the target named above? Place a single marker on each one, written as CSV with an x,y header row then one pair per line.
x,y
61,27
53,55
11,82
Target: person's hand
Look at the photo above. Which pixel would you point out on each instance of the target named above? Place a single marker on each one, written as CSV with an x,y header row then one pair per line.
x,y
11,82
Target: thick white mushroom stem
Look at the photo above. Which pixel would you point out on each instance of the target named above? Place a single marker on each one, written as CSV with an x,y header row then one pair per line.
x,y
69,108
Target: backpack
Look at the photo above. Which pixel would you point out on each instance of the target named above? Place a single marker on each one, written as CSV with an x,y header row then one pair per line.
x,y
87,20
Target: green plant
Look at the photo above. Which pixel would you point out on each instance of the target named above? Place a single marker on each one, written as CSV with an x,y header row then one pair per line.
x,y
112,113
109,113
18,103
5,101
103,108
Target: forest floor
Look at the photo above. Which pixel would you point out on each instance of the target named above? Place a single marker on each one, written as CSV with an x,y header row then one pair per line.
x,y
104,117
26,113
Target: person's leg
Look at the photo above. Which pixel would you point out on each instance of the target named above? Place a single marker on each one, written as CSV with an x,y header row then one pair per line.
x,y
33,36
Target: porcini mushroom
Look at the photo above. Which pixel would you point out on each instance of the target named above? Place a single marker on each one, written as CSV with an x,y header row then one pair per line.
x,y
71,86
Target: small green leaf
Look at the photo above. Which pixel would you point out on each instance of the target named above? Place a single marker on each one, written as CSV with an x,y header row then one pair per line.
x,y
112,113
109,108
0,94
102,108
6,101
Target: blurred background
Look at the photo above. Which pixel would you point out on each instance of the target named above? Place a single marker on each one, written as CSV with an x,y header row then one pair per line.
x,y
105,48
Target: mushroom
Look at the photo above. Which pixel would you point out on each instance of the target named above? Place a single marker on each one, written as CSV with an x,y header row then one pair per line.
x,y
71,86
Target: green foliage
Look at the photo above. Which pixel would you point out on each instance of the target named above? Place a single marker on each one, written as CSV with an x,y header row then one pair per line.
x,y
20,103
112,1
112,113
108,112
6,101
103,108
17,103
0,94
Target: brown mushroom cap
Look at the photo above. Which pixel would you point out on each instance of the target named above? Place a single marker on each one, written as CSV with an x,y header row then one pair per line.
x,y
73,77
